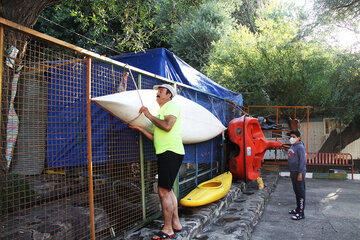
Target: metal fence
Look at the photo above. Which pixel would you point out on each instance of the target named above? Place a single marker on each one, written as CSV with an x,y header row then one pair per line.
x,y
70,170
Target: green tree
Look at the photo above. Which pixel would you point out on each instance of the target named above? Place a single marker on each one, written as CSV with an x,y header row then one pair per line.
x,y
193,37
270,67
171,13
330,18
338,10
345,86
246,12
122,25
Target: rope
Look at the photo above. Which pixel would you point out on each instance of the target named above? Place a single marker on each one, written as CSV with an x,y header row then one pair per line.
x,y
137,90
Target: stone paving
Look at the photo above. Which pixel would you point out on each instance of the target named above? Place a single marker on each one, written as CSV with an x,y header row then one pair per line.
x,y
232,217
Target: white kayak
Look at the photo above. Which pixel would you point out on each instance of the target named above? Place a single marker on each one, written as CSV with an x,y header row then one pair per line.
x,y
199,124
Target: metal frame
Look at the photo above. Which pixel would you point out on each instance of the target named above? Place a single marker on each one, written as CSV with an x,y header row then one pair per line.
x,y
292,107
89,59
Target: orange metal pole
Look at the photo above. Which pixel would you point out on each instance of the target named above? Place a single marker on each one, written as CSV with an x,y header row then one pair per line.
x,y
90,170
277,121
1,69
264,106
307,129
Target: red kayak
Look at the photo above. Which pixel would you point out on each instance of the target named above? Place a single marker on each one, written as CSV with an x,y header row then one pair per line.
x,y
247,134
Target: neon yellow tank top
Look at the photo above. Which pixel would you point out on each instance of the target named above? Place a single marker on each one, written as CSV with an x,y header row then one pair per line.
x,y
169,141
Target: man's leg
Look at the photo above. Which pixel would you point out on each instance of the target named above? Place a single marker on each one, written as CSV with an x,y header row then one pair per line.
x,y
167,208
175,218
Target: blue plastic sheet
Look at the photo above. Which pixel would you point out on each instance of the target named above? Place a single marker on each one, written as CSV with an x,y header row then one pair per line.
x,y
164,63
67,135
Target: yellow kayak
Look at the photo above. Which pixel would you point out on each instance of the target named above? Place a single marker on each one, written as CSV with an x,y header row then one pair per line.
x,y
209,191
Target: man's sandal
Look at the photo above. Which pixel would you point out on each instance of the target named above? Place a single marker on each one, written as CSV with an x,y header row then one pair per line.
x,y
174,229
161,236
298,216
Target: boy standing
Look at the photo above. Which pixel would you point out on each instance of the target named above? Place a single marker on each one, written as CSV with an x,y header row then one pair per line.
x,y
297,167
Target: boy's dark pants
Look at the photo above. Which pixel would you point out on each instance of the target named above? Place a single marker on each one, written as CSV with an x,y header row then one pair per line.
x,y
299,190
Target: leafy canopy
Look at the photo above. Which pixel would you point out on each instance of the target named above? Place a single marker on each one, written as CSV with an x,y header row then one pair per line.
x,y
193,37
270,67
125,26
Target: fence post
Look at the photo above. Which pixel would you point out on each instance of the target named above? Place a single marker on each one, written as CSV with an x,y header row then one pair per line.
x,y
222,139
211,145
1,71
196,152
88,126
142,166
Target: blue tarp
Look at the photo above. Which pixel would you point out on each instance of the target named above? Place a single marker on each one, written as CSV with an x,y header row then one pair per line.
x,y
66,138
164,63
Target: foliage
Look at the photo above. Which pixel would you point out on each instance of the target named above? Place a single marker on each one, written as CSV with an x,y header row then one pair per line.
x,y
66,27
193,37
125,26
338,10
345,85
246,12
332,16
170,13
270,67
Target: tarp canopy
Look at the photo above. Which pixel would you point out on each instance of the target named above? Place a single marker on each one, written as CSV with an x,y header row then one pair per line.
x,y
66,127
164,63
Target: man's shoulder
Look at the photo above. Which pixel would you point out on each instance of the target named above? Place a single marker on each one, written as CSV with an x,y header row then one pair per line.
x,y
172,104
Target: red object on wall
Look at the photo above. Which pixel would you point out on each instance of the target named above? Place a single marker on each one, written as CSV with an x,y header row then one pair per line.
x,y
247,134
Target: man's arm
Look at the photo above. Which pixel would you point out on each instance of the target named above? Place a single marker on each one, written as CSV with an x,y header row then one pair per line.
x,y
166,124
146,133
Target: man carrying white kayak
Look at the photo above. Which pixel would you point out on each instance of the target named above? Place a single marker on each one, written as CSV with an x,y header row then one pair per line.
x,y
170,153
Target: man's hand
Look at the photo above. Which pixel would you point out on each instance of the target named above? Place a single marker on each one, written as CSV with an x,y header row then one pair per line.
x,y
143,131
166,124
300,177
135,127
146,111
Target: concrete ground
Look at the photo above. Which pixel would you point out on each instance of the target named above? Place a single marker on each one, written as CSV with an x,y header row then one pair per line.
x,y
332,211
232,217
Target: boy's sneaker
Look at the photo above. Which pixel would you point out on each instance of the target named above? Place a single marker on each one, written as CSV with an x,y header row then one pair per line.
x,y
298,216
293,211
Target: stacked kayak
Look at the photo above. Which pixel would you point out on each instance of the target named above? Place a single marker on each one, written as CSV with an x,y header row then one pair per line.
x,y
209,191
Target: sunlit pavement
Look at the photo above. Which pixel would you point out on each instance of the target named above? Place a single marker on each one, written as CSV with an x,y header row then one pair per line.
x,y
332,211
